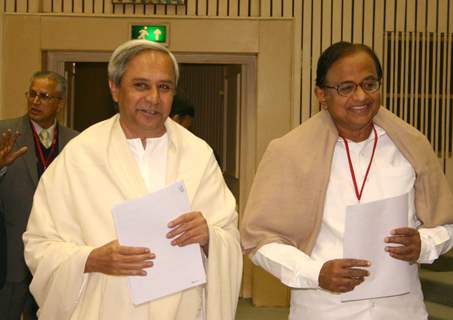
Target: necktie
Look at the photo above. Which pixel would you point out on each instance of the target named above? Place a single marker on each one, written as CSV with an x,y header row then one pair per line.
x,y
44,136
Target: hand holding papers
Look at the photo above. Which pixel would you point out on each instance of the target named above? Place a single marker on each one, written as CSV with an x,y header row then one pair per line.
x,y
144,223
367,225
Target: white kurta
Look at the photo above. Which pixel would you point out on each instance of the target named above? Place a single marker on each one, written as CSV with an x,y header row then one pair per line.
x,y
390,175
71,215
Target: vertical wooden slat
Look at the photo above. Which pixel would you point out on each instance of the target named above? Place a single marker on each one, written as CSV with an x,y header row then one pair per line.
x,y
191,7
34,6
80,6
326,24
67,6
379,31
315,50
288,8
201,8
391,66
223,9
432,15
406,81
212,8
108,7
449,96
425,79
21,6
9,5
265,8
368,22
347,20
255,8
46,6
276,8
171,10
357,21
336,20
233,7
160,10
306,60
130,9
436,91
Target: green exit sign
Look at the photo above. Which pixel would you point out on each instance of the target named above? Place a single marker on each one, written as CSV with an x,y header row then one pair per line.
x,y
156,33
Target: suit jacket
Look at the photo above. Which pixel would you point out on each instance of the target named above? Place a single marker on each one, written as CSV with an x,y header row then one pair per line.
x,y
2,250
17,187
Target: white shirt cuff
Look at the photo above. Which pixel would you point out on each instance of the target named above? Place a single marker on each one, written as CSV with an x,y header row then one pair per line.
x,y
434,242
293,267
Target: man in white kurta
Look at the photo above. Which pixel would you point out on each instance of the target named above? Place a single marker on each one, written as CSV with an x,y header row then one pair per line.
x,y
72,215
80,270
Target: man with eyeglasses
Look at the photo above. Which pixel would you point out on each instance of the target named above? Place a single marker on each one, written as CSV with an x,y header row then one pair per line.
x,y
28,145
352,153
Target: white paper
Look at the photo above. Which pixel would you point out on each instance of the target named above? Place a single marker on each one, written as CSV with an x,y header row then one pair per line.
x,y
366,227
143,223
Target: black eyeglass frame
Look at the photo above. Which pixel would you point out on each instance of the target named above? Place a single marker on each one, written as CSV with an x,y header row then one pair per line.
x,y
338,87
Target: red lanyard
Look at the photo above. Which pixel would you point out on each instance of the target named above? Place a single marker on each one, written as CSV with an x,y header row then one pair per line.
x,y
351,168
45,161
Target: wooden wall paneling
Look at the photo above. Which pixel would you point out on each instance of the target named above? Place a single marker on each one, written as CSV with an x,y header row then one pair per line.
x,y
368,25
400,15
67,6
442,21
57,6
435,90
424,75
288,7
348,17
34,6
130,9
255,8
390,15
171,10
201,8
276,8
306,93
379,30
244,8
212,8
21,6
326,24
316,44
266,8
406,79
47,6
410,15
449,107
223,8
337,20
99,7
357,21
9,5
233,7
191,7
296,117
80,6
420,18
316,50
431,15
391,66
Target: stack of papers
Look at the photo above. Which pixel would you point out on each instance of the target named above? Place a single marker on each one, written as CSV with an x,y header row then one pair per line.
x,y
143,223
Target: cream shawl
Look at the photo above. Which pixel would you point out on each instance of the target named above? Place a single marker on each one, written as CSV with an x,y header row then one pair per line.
x,y
286,201
71,215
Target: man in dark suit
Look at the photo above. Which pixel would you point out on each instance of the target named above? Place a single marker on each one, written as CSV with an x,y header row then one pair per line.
x,y
29,144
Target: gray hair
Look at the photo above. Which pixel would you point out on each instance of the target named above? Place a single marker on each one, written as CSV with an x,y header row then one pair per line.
x,y
59,80
128,50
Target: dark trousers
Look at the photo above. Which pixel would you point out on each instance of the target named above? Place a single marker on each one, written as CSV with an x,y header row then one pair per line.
x,y
15,299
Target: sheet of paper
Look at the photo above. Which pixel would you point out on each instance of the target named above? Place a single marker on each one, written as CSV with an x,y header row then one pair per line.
x,y
143,223
366,227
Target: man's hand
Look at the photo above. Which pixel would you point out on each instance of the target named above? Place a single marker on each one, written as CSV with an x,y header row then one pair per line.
x,y
7,141
191,227
409,244
114,259
342,275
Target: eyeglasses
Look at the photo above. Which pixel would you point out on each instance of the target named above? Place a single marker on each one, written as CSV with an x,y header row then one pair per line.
x,y
347,88
42,96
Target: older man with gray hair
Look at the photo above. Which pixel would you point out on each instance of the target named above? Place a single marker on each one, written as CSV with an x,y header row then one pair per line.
x,y
80,269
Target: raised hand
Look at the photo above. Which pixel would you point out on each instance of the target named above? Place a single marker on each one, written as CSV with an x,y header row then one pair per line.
x,y
7,142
